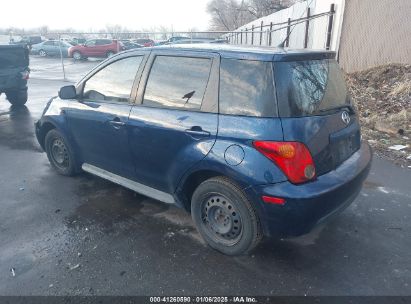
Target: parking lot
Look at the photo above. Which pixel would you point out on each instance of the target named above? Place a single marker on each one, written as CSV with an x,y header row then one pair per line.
x,y
87,236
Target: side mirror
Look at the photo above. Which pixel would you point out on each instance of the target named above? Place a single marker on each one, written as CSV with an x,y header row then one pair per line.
x,y
68,92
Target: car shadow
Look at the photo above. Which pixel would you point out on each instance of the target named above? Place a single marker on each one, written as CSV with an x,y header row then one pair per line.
x,y
17,129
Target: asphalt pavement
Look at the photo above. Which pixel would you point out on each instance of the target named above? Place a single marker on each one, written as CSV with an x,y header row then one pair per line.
x,y
87,236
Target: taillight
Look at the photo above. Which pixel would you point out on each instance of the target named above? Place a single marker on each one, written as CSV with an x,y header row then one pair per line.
x,y
293,158
25,75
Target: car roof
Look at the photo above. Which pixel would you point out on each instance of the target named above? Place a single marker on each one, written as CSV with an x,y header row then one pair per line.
x,y
261,53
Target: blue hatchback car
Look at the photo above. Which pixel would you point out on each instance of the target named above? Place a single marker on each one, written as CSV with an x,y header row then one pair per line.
x,y
251,141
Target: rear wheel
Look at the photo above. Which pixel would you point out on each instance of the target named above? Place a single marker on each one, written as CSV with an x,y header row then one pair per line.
x,y
42,53
77,55
109,54
59,153
17,98
224,217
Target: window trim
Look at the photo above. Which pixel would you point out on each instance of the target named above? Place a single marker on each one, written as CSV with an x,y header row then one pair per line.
x,y
103,66
210,99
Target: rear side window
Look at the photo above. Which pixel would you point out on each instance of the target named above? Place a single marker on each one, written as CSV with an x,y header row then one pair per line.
x,y
177,82
247,88
311,87
103,42
113,82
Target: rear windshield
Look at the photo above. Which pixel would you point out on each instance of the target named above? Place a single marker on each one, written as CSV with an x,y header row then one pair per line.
x,y
13,57
312,87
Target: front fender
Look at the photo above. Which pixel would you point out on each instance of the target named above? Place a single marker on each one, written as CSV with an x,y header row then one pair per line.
x,y
53,118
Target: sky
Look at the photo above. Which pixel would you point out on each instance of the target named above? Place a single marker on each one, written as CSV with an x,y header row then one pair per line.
x,y
88,15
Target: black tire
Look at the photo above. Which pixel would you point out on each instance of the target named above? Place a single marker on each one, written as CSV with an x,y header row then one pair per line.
x,y
42,53
77,55
225,217
17,98
59,153
109,54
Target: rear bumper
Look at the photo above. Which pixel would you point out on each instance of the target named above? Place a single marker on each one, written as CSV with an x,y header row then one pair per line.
x,y
310,204
13,83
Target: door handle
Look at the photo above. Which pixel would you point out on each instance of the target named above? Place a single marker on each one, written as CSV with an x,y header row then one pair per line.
x,y
117,123
197,131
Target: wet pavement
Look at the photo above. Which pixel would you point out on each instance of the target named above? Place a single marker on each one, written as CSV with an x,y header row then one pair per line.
x,y
84,235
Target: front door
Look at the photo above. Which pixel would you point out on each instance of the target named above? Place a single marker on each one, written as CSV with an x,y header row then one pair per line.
x,y
98,123
174,122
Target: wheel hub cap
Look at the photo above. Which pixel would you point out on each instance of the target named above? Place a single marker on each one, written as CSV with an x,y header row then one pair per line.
x,y
221,219
59,152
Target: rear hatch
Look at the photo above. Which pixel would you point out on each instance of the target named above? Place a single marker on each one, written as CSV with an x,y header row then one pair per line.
x,y
315,109
13,60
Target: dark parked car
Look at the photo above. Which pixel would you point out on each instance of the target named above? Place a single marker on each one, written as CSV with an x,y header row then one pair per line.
x,y
14,72
197,41
144,42
251,141
95,48
128,45
177,38
29,40
76,41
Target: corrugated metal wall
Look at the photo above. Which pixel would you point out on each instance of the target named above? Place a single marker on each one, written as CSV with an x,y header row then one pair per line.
x,y
375,32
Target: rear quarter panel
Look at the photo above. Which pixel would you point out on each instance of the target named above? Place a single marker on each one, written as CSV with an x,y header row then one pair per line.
x,y
248,167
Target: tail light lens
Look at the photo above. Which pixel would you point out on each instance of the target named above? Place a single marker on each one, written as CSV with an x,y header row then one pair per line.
x,y
25,75
293,158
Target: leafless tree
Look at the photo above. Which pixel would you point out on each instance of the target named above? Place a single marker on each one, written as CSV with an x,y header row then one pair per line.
x,y
228,15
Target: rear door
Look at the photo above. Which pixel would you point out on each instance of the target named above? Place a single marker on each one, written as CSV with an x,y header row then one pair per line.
x,y
102,47
53,48
98,123
90,48
315,109
174,124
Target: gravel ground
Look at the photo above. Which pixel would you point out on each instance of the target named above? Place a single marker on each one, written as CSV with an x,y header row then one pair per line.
x,y
382,96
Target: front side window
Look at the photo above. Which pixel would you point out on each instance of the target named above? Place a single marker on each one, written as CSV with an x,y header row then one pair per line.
x,y
114,82
247,88
177,82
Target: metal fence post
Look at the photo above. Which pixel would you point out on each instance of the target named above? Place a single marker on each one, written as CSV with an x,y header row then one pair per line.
x,y
307,24
246,35
252,34
287,38
330,26
261,33
61,58
241,37
270,38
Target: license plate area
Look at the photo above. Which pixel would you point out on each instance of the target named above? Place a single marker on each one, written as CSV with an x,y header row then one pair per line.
x,y
344,144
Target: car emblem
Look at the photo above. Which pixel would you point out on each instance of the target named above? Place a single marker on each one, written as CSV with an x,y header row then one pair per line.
x,y
345,117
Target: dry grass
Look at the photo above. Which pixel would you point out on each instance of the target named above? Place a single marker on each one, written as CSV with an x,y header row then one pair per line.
x,y
402,88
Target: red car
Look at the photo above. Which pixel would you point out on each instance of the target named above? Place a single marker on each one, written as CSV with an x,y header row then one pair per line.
x,y
145,42
95,48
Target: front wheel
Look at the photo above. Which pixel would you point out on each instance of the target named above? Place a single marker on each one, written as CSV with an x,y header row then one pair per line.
x,y
18,97
59,153
224,217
